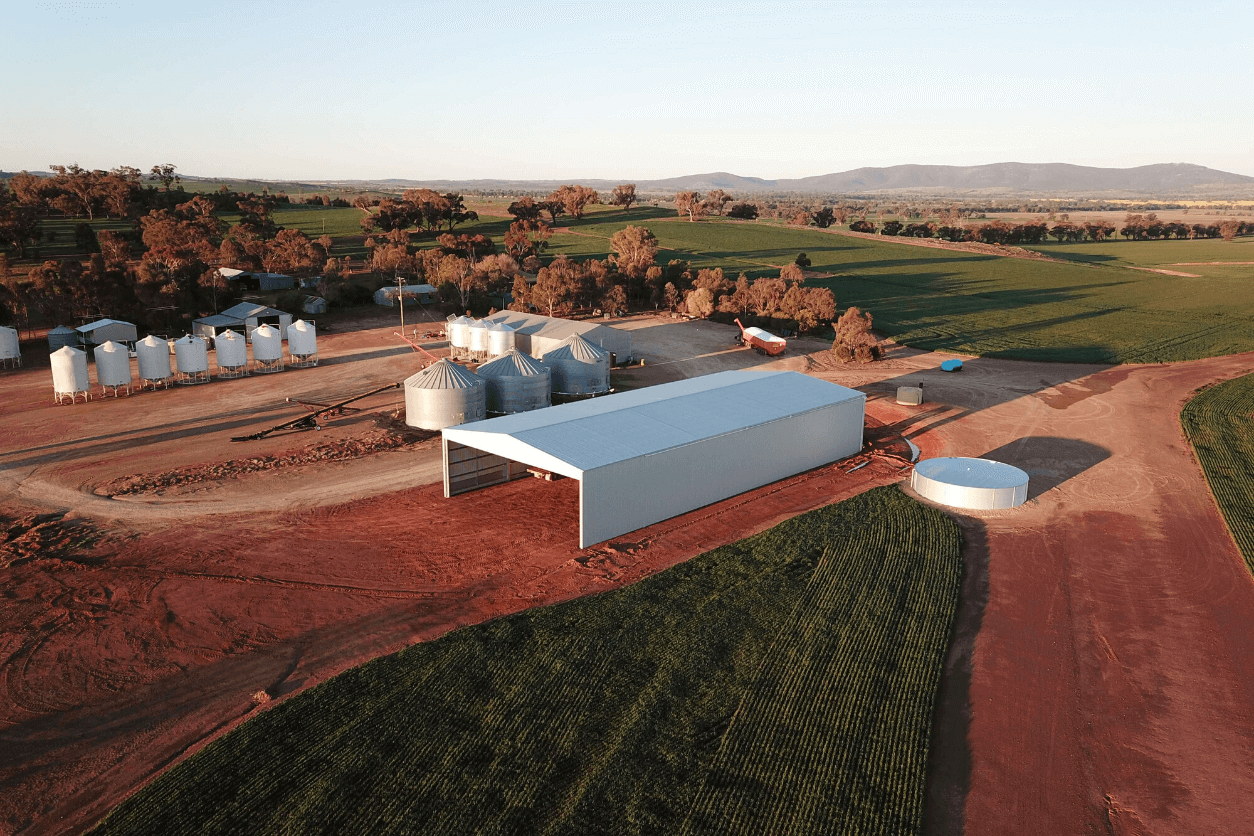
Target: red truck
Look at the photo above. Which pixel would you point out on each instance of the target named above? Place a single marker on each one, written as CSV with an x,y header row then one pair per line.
x,y
761,341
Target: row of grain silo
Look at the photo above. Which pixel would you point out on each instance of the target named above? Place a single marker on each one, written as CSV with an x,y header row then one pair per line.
x,y
446,394
191,360
477,339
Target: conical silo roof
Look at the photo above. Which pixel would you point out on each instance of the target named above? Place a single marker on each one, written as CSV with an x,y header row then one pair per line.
x,y
577,348
513,363
443,374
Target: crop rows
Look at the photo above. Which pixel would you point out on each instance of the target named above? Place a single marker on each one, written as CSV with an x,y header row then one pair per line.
x,y
628,712
1219,423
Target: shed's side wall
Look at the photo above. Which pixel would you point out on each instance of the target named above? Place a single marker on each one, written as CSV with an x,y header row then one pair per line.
x,y
632,494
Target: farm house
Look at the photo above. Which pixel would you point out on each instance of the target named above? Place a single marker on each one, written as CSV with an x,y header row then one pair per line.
x,y
651,454
103,330
537,335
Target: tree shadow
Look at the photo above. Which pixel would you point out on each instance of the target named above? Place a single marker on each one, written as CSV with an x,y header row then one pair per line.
x,y
1048,460
949,754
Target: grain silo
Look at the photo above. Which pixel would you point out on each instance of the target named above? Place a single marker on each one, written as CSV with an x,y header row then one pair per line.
x,y
232,354
69,374
267,350
302,344
500,339
154,362
579,368
978,484
10,348
61,336
516,383
459,336
444,394
191,358
113,367
477,339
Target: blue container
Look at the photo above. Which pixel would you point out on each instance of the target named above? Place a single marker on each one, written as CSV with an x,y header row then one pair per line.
x,y
951,366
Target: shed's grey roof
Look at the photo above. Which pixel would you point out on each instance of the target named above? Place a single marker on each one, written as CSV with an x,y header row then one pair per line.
x,y
244,310
100,323
577,437
219,321
545,326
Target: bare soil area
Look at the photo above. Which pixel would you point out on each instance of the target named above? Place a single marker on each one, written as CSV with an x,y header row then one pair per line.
x,y
1101,678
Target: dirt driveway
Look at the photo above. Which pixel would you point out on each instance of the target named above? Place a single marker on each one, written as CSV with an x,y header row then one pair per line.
x,y
1100,679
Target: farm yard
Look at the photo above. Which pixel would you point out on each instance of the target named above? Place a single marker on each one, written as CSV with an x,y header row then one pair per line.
x,y
142,627
742,691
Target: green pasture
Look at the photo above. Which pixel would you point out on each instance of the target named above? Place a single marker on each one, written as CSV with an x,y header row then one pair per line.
x,y
1219,423
782,684
972,303
1179,256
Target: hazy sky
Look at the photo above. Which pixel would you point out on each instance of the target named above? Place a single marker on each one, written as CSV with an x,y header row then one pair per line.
x,y
630,90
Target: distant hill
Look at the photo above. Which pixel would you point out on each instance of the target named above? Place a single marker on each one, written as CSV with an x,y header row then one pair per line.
x,y
997,177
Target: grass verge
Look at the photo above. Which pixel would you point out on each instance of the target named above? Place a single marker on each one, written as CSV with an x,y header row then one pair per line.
x,y
1219,423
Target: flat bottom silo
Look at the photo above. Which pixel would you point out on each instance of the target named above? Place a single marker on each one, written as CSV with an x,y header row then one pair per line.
x,y
516,383
443,395
580,369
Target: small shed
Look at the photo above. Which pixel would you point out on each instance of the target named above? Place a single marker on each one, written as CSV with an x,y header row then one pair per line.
x,y
423,294
103,330
249,280
315,305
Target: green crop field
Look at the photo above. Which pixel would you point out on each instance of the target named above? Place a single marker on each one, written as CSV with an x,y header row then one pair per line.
x,y
1219,423
782,684
1087,310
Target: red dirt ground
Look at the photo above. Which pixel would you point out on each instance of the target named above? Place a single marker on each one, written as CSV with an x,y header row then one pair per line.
x,y
1101,677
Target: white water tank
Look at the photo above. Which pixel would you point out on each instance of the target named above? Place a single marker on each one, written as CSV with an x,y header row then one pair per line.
x,y
267,344
232,352
69,371
154,358
444,394
10,345
191,355
113,364
978,484
500,339
302,339
516,383
62,336
579,367
458,332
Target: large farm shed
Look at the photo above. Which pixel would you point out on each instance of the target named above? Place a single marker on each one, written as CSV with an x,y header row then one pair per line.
x,y
244,317
537,335
103,330
651,454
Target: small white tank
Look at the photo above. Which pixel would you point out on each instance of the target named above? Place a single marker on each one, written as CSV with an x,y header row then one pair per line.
x,y
10,347
191,357
302,344
500,339
113,367
232,354
62,336
154,361
69,374
268,349
479,342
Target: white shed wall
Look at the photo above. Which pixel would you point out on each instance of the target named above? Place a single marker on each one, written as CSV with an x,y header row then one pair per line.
x,y
635,493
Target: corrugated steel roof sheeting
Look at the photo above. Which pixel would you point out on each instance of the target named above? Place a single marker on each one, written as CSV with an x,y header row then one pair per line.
x,y
595,433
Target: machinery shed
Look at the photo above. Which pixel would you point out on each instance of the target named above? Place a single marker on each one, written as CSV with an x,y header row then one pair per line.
x,y
104,330
651,454
538,335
